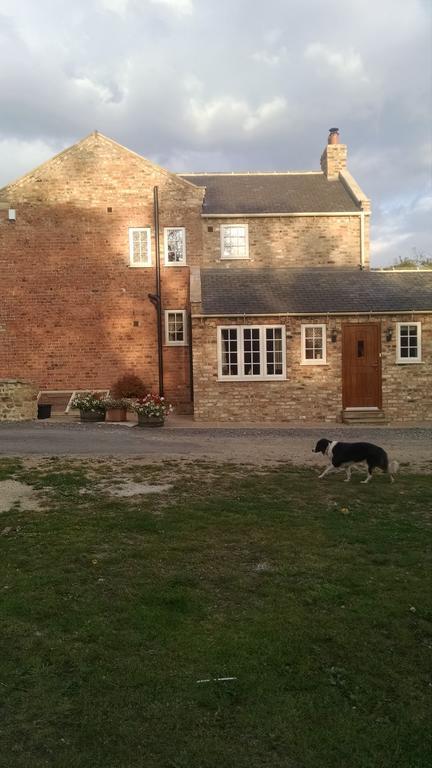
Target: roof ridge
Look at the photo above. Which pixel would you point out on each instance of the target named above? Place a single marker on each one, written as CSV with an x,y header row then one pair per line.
x,y
250,173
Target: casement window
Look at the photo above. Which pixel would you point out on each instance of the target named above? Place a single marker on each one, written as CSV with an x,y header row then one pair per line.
x,y
313,344
248,352
139,247
175,328
175,246
234,241
408,343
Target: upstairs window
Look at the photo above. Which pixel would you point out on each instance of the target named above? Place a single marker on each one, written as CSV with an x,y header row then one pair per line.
x,y
175,328
139,247
234,241
313,344
175,246
408,343
251,352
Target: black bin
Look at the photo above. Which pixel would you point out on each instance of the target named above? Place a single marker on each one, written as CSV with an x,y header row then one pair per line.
x,y
44,411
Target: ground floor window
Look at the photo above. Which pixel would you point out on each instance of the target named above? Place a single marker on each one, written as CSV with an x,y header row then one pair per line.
x,y
313,344
251,352
408,343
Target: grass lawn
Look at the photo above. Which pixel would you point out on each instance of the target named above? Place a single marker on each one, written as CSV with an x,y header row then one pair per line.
x,y
312,594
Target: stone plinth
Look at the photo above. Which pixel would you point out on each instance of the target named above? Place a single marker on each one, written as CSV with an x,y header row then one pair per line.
x,y
17,400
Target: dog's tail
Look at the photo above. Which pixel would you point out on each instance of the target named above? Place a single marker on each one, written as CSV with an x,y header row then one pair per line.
x,y
393,467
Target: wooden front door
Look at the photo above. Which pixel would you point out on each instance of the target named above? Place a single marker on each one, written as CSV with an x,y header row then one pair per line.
x,y
361,365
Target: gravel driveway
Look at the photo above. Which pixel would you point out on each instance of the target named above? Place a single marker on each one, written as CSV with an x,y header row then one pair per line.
x,y
411,446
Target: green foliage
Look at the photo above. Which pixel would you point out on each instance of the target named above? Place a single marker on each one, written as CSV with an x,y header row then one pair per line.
x,y
116,402
419,260
88,401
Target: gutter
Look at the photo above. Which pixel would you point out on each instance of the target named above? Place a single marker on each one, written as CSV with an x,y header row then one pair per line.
x,y
324,313
362,244
281,215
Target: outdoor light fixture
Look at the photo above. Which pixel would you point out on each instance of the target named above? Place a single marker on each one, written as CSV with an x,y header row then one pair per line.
x,y
333,335
389,334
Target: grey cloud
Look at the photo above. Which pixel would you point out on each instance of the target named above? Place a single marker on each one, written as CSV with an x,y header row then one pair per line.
x,y
194,87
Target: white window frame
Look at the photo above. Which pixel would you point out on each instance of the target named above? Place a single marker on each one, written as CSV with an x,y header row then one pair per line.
x,y
223,227
313,361
408,360
140,264
181,263
183,343
240,353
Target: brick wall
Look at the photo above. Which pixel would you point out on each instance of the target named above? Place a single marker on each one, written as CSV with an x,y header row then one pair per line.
x,y
407,388
309,393
291,241
73,313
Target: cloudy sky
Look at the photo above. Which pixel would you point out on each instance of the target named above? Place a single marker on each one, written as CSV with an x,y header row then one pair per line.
x,y
231,85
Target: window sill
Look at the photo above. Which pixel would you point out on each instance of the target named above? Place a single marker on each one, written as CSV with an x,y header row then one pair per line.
x,y
171,344
250,379
409,362
140,266
313,363
235,258
175,264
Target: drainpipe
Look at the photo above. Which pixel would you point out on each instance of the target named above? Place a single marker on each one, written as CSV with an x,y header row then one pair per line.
x,y
191,381
362,222
156,298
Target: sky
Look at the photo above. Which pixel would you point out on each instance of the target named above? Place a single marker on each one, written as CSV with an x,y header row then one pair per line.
x,y
231,85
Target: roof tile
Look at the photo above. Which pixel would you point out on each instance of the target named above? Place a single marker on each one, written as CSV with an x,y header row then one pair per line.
x,y
239,291
255,193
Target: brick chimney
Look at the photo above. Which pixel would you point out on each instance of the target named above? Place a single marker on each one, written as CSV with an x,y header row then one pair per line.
x,y
334,157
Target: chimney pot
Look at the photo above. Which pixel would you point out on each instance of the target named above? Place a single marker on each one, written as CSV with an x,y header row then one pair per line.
x,y
333,136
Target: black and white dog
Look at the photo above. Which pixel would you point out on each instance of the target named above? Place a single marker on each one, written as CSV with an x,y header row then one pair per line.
x,y
346,455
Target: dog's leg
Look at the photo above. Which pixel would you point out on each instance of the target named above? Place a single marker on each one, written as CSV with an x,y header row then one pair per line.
x,y
328,469
348,474
368,476
392,469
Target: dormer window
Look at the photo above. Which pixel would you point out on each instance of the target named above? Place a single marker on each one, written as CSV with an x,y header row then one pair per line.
x,y
234,241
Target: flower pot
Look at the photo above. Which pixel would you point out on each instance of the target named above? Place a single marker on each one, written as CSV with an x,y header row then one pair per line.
x,y
92,415
44,411
116,414
150,421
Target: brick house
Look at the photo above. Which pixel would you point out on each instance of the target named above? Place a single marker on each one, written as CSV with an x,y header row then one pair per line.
x,y
246,296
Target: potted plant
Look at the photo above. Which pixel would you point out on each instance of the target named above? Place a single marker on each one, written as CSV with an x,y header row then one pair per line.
x,y
151,410
90,406
128,386
116,408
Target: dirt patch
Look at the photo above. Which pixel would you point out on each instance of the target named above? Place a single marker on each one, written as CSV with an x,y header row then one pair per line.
x,y
13,493
130,488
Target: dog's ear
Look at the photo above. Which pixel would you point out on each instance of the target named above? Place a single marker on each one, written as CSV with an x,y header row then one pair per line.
x,y
322,445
